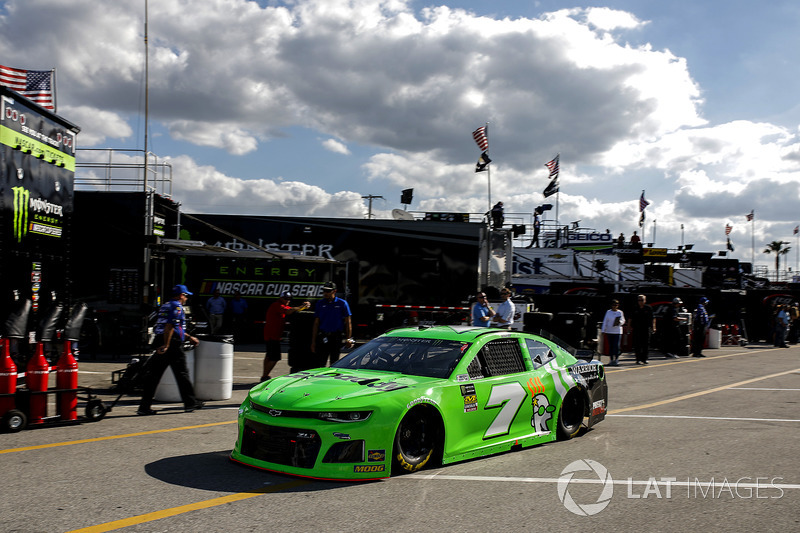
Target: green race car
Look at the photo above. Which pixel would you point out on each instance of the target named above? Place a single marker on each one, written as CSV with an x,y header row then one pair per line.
x,y
417,397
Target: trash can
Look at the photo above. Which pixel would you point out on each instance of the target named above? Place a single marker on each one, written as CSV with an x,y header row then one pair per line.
x,y
214,367
167,390
714,338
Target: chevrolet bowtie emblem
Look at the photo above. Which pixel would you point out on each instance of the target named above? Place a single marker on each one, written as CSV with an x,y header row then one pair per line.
x,y
274,412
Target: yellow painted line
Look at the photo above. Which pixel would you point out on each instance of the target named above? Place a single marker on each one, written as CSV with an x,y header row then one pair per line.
x,y
112,437
174,511
700,393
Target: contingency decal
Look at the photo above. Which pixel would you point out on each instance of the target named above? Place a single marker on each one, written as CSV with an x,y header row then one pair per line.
x,y
542,410
598,407
363,469
376,455
507,397
470,398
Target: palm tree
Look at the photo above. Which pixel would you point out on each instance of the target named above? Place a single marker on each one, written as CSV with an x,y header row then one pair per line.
x,y
779,250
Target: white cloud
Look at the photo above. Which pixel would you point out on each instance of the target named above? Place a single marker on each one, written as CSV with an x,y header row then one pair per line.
x,y
335,146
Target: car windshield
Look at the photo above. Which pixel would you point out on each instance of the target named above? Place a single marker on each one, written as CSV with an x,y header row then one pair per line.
x,y
434,358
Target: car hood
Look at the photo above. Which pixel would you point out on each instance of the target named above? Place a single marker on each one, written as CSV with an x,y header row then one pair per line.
x,y
325,388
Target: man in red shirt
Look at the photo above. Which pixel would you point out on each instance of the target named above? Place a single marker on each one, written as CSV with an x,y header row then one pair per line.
x,y
274,323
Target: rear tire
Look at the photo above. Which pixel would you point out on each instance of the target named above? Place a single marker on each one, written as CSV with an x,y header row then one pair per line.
x,y
95,410
570,416
416,443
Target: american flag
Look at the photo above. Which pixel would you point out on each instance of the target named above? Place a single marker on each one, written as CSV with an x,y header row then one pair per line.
x,y
750,216
728,229
796,230
35,85
480,137
642,202
552,166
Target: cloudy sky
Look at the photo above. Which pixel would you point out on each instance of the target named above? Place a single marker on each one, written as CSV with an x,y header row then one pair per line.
x,y
303,107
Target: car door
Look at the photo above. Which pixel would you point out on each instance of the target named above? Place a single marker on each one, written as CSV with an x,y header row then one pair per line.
x,y
497,396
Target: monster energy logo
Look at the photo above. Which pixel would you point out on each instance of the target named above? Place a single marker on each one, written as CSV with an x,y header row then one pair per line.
x,y
21,202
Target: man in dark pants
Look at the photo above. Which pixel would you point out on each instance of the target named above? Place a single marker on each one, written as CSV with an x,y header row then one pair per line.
x,y
700,323
332,326
170,330
643,325
672,334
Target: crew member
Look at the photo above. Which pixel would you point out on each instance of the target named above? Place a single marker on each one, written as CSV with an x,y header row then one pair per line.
x,y
332,326
170,329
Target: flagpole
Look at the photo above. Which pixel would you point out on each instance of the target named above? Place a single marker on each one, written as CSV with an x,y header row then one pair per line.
x,y
53,89
488,171
752,240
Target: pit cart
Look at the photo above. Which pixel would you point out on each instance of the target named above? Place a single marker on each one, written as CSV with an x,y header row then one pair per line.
x,y
17,418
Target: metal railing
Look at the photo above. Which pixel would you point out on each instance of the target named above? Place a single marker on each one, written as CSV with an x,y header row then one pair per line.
x,y
122,170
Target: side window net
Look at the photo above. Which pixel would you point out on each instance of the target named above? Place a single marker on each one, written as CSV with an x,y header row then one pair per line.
x,y
502,357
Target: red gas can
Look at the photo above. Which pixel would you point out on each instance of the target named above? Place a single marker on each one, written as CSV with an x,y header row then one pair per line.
x,y
37,374
67,378
8,378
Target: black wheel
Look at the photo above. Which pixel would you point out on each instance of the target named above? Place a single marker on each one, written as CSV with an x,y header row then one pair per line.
x,y
95,410
416,443
13,421
570,417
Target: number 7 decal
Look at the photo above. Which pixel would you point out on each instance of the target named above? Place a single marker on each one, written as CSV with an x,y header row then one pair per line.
x,y
508,397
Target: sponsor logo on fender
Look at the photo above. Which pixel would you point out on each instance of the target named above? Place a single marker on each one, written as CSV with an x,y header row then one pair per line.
x,y
362,469
376,455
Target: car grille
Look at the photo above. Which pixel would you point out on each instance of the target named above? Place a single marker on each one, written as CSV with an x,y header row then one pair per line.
x,y
279,445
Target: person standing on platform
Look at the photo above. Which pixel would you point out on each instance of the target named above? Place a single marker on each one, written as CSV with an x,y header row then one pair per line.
x,y
332,326
170,330
613,321
274,324
644,324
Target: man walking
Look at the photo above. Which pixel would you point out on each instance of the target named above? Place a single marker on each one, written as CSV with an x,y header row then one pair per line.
x,y
170,329
332,326
643,325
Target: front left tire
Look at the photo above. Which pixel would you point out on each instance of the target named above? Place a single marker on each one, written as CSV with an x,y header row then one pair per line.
x,y
417,443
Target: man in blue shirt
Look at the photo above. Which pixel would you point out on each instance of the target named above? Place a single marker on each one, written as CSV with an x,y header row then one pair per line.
x,y
216,311
170,330
700,323
482,312
332,325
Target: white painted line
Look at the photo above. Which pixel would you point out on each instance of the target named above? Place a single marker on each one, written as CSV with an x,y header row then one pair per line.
x,y
715,418
688,483
761,388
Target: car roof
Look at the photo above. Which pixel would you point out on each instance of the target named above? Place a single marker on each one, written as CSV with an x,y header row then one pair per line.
x,y
454,333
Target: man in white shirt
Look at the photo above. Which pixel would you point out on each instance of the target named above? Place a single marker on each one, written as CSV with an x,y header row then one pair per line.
x,y
504,316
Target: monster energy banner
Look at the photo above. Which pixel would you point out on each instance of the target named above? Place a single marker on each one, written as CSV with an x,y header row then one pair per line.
x,y
37,151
